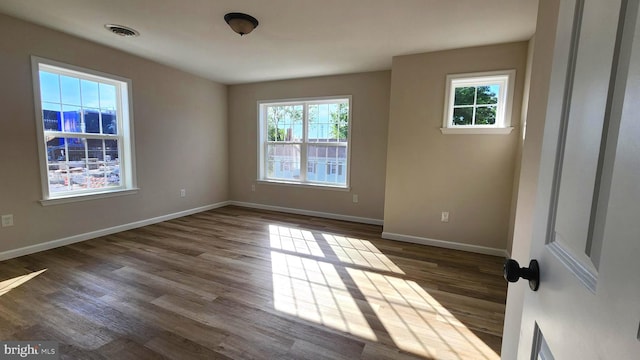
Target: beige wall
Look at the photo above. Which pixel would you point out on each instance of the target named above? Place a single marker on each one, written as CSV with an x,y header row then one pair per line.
x,y
538,95
370,113
471,176
521,134
180,137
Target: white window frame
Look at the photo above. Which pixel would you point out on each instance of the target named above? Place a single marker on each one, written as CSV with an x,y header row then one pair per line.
x,y
504,78
262,142
124,137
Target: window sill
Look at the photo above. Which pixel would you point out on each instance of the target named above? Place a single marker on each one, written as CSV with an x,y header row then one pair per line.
x,y
477,131
87,197
304,185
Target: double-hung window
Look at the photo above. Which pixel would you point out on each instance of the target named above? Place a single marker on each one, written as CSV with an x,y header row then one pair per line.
x,y
479,102
85,131
305,141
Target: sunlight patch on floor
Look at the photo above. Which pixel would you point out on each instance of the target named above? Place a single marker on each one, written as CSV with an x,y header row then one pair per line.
x,y
416,321
10,284
294,240
312,290
360,252
307,285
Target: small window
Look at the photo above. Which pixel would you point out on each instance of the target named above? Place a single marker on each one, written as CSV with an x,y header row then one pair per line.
x,y
84,131
479,103
307,134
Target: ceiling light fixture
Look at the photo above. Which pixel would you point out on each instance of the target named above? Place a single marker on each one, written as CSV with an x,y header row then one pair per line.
x,y
241,23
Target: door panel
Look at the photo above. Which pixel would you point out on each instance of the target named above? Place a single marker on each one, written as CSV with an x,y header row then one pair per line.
x,y
595,26
586,233
541,350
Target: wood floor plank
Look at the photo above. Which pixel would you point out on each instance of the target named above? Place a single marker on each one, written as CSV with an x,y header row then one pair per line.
x,y
127,349
235,283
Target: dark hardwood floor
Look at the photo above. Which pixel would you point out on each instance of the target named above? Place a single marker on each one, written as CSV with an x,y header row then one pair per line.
x,y
242,284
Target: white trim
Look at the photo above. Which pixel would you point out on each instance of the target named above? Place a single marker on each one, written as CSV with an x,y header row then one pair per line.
x,y
9,254
477,131
588,277
506,80
304,142
314,99
445,244
308,213
318,186
385,235
88,196
125,135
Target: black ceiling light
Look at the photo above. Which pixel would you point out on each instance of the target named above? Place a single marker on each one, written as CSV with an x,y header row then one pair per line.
x,y
241,23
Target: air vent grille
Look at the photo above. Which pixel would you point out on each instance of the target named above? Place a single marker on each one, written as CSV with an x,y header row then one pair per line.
x,y
122,30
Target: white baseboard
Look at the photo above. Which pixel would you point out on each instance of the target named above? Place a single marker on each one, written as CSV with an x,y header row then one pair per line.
x,y
445,244
308,213
10,254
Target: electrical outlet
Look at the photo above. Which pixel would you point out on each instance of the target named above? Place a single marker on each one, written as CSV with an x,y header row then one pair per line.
x,y
355,198
183,192
253,187
445,216
7,220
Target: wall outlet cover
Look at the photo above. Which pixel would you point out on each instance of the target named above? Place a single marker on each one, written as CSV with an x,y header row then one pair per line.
x,y
7,220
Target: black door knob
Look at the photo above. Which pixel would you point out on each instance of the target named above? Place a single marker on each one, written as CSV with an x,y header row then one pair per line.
x,y
513,272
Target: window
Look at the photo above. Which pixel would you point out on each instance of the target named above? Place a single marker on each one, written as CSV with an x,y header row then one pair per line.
x,y
479,103
84,131
310,134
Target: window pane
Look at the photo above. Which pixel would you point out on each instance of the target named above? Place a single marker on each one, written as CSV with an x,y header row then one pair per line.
x,y
327,164
71,118
56,151
79,105
82,164
51,116
284,123
77,163
70,90
49,87
89,94
463,116
112,163
103,169
76,148
58,178
95,148
283,161
109,122
488,94
111,151
92,121
328,122
57,166
107,97
486,115
464,95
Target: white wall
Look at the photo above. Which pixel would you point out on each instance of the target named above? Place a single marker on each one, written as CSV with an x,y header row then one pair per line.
x,y
470,176
538,95
369,118
180,136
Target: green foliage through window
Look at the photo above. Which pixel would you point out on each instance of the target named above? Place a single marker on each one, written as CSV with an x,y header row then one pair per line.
x,y
475,105
306,141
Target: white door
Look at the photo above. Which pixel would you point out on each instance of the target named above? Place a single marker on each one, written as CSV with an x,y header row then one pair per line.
x,y
586,234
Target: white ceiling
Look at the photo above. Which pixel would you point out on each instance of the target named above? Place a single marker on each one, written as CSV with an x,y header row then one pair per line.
x,y
295,38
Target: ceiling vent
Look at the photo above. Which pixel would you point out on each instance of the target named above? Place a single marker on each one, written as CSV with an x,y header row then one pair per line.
x,y
122,30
